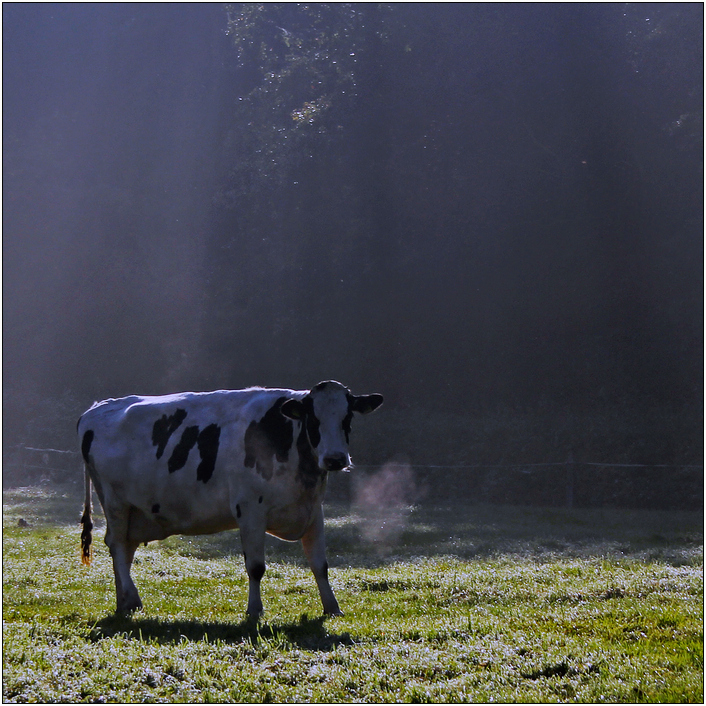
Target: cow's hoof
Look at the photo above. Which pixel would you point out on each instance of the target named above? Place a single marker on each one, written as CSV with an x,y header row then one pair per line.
x,y
129,608
334,613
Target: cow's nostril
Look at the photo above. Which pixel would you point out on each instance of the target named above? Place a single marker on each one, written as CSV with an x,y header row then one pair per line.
x,y
335,462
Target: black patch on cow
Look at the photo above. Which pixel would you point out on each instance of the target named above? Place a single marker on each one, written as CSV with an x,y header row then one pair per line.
x,y
237,510
207,441
86,444
208,450
347,424
163,428
271,436
258,571
181,451
312,423
260,499
308,472
155,508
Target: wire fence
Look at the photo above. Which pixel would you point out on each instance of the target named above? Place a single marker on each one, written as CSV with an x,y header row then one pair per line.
x,y
567,483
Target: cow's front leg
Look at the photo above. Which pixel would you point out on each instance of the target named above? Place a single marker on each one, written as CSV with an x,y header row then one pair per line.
x,y
252,537
314,545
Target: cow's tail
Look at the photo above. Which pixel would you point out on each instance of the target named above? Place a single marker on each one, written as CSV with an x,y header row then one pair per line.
x,y
86,536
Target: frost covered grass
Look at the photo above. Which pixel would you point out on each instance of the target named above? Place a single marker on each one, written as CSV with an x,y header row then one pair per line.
x,y
457,603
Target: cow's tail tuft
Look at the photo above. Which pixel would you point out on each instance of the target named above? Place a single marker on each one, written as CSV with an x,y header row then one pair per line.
x,y
86,536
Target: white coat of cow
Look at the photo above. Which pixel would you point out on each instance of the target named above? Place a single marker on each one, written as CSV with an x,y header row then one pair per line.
x,y
202,462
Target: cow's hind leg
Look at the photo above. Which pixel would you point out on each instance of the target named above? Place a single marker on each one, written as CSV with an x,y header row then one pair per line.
x,y
128,599
122,551
314,545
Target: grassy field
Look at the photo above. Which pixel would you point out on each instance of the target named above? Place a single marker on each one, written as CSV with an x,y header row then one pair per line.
x,y
457,603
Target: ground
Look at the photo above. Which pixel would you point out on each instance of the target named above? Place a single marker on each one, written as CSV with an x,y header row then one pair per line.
x,y
455,602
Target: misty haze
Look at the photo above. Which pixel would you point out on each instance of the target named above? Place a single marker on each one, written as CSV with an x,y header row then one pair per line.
x,y
488,214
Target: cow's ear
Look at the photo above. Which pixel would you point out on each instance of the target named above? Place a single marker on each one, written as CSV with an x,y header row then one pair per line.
x,y
293,409
363,404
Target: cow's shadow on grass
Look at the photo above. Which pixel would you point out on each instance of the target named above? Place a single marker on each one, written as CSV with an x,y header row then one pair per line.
x,y
305,633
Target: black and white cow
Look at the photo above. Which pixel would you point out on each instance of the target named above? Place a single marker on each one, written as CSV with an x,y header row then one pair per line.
x,y
203,462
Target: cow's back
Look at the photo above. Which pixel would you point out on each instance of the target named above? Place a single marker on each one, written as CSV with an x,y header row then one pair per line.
x,y
130,421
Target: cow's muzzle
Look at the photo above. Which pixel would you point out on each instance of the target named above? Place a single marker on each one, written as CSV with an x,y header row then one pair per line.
x,y
335,462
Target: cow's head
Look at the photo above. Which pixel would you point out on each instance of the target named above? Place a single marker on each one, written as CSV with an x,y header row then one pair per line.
x,y
326,414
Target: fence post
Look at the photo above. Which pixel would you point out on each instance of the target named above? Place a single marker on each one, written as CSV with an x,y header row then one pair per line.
x,y
570,466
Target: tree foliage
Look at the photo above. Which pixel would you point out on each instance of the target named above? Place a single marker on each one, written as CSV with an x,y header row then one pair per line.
x,y
465,206
300,67
455,146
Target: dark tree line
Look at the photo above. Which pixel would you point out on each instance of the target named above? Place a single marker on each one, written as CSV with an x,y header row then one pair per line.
x,y
472,201
491,213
